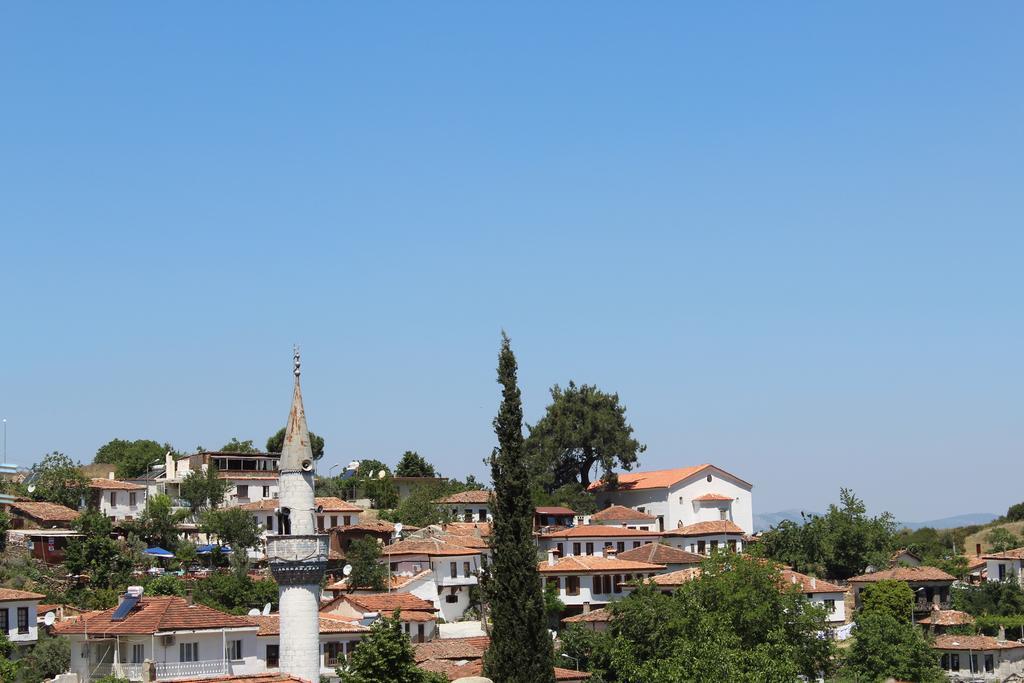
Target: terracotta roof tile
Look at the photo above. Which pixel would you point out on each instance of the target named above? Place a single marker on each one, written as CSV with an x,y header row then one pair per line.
x,y
267,504
153,615
7,594
713,497
947,617
659,479
956,642
426,546
904,574
475,668
256,476
247,678
481,528
374,526
335,504
718,526
620,513
809,584
659,553
1015,554
388,602
452,648
599,530
554,510
677,578
47,512
577,564
114,485
594,616
270,625
473,497
397,581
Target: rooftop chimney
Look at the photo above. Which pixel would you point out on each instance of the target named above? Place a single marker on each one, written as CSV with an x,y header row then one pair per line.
x,y
609,552
1002,634
551,557
814,583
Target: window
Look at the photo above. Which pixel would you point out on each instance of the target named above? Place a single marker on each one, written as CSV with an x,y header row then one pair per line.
x,y
348,520
451,598
709,478
234,650
556,581
636,544
138,653
572,585
944,662
5,615
974,663
621,546
421,633
701,547
990,664
266,492
732,545
954,662
131,499
575,548
334,653
455,569
23,620
320,522
242,490
188,652
617,584
270,522
561,552
714,546
481,515
641,509
607,581
680,500
830,605
590,549
334,521
723,514
1002,572
468,516
113,498
465,568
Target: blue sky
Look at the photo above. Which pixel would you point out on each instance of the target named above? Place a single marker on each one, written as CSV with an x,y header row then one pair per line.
x,y
789,236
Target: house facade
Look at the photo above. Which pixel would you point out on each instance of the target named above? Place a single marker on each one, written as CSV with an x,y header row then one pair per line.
x,y
117,500
592,539
467,506
704,538
18,615
618,515
979,658
338,638
682,496
1005,566
417,616
592,580
453,569
930,585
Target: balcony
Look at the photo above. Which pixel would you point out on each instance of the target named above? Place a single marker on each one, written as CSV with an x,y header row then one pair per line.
x,y
929,605
457,581
165,671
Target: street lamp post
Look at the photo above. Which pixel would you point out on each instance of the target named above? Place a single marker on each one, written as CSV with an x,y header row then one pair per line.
x,y
574,659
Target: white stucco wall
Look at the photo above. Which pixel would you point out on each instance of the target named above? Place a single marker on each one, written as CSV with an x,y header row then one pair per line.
x,y
599,542
12,633
1011,570
122,508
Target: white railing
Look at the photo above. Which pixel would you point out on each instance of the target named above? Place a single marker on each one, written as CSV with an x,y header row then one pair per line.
x,y
164,670
457,581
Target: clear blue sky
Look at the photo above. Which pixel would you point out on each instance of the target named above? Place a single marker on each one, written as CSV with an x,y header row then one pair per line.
x,y
789,236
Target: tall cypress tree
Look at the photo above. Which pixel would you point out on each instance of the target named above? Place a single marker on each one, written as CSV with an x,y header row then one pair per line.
x,y
520,649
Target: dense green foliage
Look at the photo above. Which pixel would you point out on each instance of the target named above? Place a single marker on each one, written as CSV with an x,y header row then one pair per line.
x,y
582,427
275,443
236,446
203,490
381,491
5,525
50,656
997,598
839,544
57,480
894,598
133,458
158,523
413,464
236,528
572,496
937,547
167,584
106,561
1014,513
419,509
1001,539
520,650
367,569
235,594
736,622
886,647
386,654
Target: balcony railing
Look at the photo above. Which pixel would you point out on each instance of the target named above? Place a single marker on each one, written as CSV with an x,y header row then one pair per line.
x,y
165,671
929,605
457,581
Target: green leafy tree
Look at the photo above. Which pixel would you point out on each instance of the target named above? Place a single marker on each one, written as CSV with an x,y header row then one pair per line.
x,y
275,443
158,523
995,598
386,654
236,446
381,491
133,458
1015,512
520,649
572,496
5,525
885,647
229,592
57,480
839,544
367,569
236,528
96,553
582,427
419,508
889,597
50,656
167,584
413,464
8,669
186,554
1002,539
203,490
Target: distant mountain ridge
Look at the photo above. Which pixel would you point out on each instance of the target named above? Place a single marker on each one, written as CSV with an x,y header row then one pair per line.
x,y
766,520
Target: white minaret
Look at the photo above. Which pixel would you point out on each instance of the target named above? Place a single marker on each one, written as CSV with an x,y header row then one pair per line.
x,y
298,555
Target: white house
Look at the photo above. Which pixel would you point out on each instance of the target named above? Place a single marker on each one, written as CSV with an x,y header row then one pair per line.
x,y
417,616
1005,566
618,515
682,496
660,553
592,539
117,500
821,593
251,476
18,611
979,658
454,570
338,637
589,580
184,640
703,538
467,506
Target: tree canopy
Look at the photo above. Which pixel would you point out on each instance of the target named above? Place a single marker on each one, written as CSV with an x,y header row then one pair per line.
x,y
236,446
885,647
989,598
96,553
839,544
236,528
133,458
413,464
381,491
894,598
1002,539
275,443
582,426
158,523
386,654
367,570
203,489
57,480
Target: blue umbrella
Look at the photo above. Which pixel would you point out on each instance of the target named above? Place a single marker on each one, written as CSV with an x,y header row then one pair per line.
x,y
159,552
207,549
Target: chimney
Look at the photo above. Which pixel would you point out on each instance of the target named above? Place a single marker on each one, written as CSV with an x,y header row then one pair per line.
x,y
586,607
551,557
1002,634
110,475
814,583
149,671
609,552
977,549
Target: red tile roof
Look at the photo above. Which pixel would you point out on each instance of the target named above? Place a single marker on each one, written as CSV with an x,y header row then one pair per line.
x,y
718,526
586,564
1015,554
247,678
593,616
452,648
910,574
114,485
47,512
455,671
153,615
555,510
808,584
389,602
659,553
474,497
947,617
7,594
231,474
620,513
334,504
426,546
713,497
600,530
677,578
397,581
266,504
955,642
659,479
482,528
374,526
270,625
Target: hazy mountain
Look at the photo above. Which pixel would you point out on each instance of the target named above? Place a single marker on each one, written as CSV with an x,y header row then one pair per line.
x,y
766,520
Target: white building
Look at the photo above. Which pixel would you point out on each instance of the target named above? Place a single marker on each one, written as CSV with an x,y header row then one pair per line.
x,y
618,515
117,500
453,571
660,553
251,477
1005,566
704,538
183,641
683,496
417,616
821,593
979,658
338,638
467,506
18,611
592,580
592,539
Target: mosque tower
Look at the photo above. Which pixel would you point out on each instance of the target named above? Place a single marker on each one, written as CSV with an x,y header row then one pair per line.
x,y
297,554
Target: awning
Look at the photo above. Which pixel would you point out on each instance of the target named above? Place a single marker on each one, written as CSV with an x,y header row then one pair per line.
x,y
159,552
207,549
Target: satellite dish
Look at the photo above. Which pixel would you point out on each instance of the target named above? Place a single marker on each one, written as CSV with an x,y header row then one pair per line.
x,y
398,528
31,488
382,474
346,570
254,612
373,473
266,609
49,618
